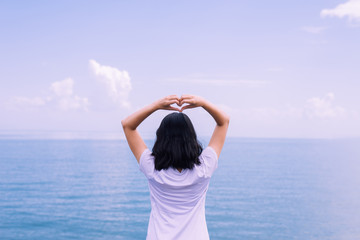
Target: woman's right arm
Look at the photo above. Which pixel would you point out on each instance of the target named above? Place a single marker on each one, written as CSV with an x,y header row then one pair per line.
x,y
221,118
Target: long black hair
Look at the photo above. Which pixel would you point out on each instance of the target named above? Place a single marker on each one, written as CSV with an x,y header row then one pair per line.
x,y
176,143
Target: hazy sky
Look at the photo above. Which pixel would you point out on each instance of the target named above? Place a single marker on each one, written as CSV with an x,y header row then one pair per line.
x,y
279,68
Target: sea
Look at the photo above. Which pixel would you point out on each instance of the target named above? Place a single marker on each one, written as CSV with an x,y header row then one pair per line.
x,y
269,189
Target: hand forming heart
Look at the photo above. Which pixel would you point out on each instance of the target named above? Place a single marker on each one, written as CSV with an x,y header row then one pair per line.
x,y
184,102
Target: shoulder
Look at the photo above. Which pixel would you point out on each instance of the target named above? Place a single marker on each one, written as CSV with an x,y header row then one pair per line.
x,y
209,152
146,163
209,161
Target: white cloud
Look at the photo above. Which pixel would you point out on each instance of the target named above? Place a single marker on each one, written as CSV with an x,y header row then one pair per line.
x,y
350,9
323,108
63,88
313,29
117,83
65,98
314,108
62,95
73,103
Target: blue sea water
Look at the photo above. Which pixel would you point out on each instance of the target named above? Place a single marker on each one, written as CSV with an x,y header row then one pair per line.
x,y
262,189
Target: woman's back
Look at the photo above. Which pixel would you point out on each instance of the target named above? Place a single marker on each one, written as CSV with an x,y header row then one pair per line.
x,y
178,198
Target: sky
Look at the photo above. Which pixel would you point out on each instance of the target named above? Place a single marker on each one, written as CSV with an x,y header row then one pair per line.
x,y
280,69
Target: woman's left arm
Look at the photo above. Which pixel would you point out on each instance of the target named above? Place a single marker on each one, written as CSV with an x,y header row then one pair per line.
x,y
130,124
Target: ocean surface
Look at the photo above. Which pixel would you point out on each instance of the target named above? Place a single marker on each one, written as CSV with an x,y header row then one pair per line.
x,y
263,189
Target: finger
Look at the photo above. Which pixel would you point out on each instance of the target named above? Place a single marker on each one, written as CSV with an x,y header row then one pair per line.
x,y
186,96
169,98
189,101
183,108
172,97
173,101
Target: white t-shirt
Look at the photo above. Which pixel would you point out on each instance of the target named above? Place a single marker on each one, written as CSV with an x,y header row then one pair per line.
x,y
178,198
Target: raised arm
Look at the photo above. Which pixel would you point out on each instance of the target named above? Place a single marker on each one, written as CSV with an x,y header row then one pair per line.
x,y
130,124
221,118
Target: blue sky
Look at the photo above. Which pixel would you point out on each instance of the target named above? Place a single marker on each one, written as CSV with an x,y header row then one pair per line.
x,y
279,68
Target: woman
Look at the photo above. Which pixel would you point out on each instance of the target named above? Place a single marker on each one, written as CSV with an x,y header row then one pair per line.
x,y
177,169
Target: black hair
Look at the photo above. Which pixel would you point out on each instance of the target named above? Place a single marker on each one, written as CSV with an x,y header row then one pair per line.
x,y
176,143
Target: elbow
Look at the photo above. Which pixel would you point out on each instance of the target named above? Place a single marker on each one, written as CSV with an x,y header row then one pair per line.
x,y
224,121
124,123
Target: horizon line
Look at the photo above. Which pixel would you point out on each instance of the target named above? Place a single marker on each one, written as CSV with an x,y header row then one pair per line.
x,y
114,135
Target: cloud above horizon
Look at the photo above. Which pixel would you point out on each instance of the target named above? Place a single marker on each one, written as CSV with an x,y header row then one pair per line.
x,y
315,108
323,107
350,9
63,88
116,85
61,95
116,82
65,98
